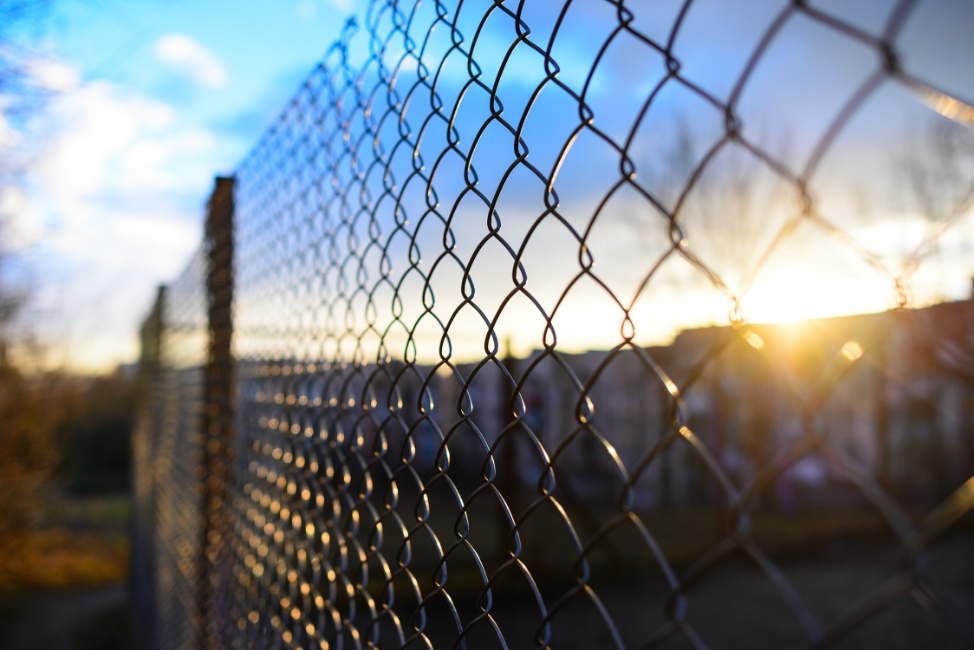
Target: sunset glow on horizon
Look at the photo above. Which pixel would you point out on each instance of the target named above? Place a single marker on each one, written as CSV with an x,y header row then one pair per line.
x,y
132,142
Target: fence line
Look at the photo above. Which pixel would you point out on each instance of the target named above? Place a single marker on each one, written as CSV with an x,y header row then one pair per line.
x,y
394,402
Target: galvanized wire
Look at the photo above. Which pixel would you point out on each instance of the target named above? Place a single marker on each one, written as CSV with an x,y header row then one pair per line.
x,y
394,485
168,446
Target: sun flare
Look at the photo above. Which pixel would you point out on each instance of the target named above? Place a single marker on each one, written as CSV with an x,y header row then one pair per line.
x,y
795,292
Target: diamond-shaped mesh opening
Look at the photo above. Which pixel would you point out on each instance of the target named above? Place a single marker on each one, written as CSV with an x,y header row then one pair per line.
x,y
506,360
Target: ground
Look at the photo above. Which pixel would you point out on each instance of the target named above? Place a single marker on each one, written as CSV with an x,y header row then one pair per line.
x,y
63,583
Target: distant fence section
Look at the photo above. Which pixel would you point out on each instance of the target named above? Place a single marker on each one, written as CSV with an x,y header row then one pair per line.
x,y
444,372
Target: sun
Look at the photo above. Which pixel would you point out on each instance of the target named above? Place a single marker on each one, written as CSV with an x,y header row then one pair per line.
x,y
795,292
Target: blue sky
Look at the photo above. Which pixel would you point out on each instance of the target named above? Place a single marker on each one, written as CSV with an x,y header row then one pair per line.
x,y
153,99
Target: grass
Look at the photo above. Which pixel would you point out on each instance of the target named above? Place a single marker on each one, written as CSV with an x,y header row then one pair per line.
x,y
80,542
59,559
101,510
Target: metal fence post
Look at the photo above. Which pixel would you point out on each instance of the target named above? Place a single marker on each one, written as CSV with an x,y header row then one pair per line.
x,y
217,419
144,441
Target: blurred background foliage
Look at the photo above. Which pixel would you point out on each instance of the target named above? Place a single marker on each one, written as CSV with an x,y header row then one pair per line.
x,y
64,477
30,408
64,451
93,436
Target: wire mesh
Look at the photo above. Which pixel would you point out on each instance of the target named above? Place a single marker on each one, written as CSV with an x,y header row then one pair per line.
x,y
450,428
167,455
144,437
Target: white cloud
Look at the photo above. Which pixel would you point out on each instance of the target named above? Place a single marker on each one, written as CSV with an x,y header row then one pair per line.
x,y
191,59
306,9
114,148
53,75
9,137
97,126
112,207
21,226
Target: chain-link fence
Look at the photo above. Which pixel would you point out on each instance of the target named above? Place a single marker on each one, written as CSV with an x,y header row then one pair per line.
x,y
449,370
167,449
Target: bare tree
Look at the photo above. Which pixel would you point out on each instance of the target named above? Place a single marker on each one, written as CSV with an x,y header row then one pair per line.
x,y
29,405
934,174
937,166
20,93
726,214
21,96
